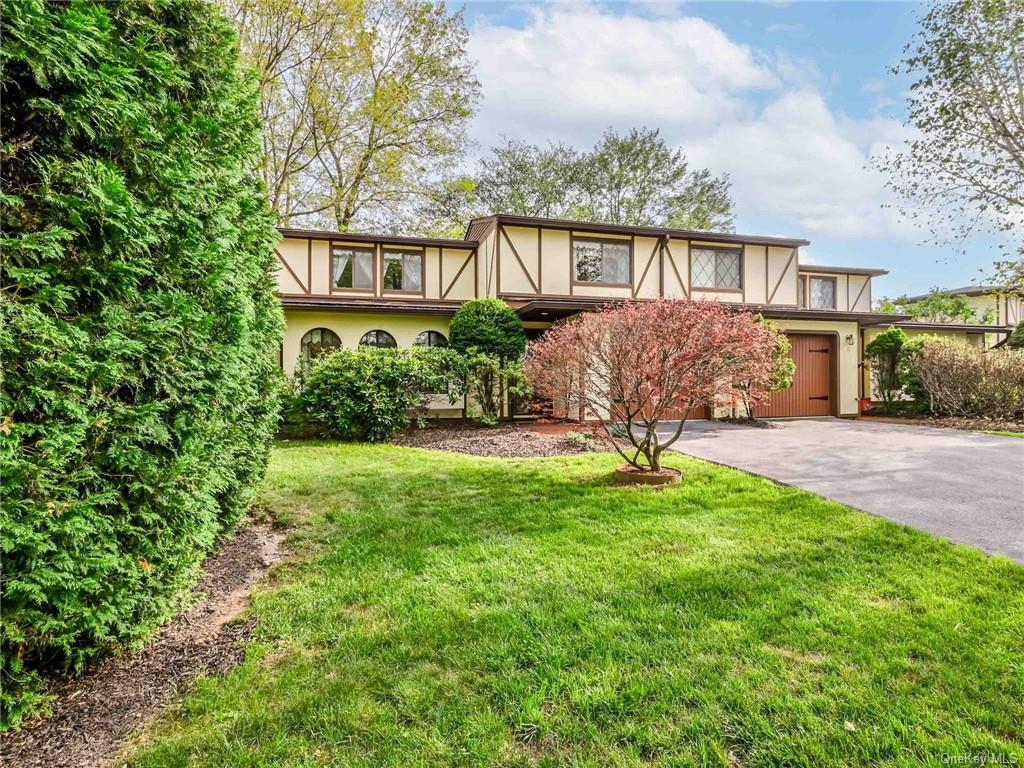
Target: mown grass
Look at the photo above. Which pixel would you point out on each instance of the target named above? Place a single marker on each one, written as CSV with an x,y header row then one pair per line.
x,y
448,610
1003,432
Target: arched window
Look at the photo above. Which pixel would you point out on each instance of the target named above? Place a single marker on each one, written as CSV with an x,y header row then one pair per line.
x,y
431,339
318,341
378,338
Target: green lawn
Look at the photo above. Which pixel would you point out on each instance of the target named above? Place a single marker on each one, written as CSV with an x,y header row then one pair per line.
x,y
448,610
1004,433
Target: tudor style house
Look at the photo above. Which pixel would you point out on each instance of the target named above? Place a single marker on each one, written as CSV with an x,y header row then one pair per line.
x,y
346,289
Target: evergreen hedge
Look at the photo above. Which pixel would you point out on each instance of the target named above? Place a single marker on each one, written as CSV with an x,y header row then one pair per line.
x,y
139,322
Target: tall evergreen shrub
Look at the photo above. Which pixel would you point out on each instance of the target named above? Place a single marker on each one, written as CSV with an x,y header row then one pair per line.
x,y
139,323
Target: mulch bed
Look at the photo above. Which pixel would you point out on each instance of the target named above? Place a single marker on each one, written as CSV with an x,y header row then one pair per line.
x,y
93,715
952,422
508,441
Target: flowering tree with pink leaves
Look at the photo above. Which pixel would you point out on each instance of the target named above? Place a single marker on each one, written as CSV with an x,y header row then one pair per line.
x,y
633,365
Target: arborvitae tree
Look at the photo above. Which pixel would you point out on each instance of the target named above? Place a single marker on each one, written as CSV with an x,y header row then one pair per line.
x,y
140,327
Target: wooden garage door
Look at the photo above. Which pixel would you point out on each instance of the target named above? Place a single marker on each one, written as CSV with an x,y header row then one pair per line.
x,y
811,393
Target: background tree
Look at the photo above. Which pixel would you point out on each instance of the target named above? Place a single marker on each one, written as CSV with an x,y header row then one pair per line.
x,y
364,104
637,179
937,307
629,366
966,161
632,178
529,180
140,324
1016,339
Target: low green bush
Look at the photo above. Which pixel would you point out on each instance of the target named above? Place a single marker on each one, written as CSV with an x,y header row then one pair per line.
x,y
489,333
139,322
371,394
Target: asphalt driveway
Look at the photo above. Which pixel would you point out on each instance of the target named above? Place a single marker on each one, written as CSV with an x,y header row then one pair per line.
x,y
964,486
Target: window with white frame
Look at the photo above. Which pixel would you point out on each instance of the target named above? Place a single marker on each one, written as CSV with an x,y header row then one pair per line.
x,y
716,268
601,261
403,270
352,267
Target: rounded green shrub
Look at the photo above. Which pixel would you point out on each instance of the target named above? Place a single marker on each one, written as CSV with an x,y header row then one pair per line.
x,y
488,326
371,394
139,325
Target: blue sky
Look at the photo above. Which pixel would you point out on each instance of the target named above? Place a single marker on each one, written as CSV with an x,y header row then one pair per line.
x,y
791,99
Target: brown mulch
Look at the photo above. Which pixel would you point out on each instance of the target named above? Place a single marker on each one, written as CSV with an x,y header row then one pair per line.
x,y
93,715
502,442
952,422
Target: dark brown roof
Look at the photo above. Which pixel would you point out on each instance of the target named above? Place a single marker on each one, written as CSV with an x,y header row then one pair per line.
x,y
970,290
624,229
352,304
539,308
843,270
363,237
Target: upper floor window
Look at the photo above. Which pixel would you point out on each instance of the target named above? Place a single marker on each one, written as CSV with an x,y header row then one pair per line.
x,y
352,267
716,268
822,292
601,261
318,341
378,338
403,271
431,339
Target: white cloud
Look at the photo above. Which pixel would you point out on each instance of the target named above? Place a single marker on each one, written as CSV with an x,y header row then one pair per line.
x,y
784,28
572,71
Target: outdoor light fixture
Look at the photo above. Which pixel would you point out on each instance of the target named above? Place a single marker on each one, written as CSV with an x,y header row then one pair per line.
x,y
850,340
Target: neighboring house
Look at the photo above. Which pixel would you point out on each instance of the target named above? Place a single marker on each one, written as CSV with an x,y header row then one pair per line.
x,y
346,289
1004,310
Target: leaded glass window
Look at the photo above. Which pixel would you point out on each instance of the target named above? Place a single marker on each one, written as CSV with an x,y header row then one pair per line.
x,y
716,268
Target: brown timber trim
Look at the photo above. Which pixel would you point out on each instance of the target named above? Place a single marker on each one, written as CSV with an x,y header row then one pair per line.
x,y
305,288
766,261
785,271
856,301
592,239
501,230
727,249
650,260
446,291
422,253
398,241
675,269
331,288
540,262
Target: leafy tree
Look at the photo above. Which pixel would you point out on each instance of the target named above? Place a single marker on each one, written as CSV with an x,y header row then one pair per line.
x,y
632,178
937,307
363,103
528,180
885,355
629,365
782,371
637,179
139,319
491,336
966,162
371,394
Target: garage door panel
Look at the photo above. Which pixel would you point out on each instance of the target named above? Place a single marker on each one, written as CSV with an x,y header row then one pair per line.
x,y
812,390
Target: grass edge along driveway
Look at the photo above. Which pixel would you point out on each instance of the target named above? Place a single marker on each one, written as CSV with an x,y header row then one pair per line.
x,y
451,610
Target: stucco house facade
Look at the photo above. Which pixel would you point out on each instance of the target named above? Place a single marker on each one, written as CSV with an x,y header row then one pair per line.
x,y
346,289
